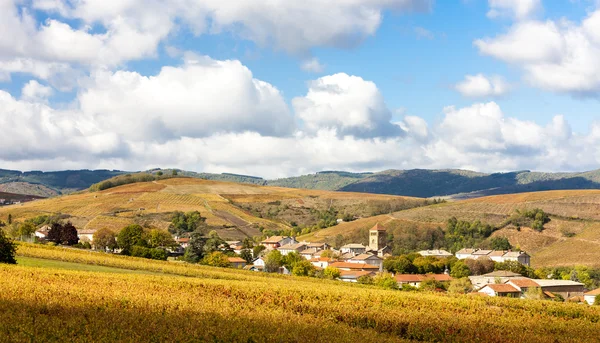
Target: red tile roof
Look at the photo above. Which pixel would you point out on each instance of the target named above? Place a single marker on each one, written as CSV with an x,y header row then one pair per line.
x,y
377,227
503,288
594,292
422,277
349,265
524,283
236,260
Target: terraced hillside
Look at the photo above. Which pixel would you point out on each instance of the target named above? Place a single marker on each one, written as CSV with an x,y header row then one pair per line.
x,y
571,237
237,210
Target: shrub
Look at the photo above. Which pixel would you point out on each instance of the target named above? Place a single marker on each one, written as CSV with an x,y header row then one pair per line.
x,y
385,280
7,249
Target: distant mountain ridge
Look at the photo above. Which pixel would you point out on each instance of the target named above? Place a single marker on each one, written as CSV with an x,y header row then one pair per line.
x,y
455,183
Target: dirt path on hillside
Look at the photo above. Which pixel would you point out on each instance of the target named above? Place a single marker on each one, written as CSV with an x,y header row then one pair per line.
x,y
235,220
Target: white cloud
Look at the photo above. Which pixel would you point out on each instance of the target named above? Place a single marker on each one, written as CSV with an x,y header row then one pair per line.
x,y
556,56
313,66
133,29
347,104
480,86
199,98
36,92
423,33
518,9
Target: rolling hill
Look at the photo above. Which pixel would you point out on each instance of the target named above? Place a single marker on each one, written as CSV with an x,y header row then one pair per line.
x,y
450,183
235,210
572,236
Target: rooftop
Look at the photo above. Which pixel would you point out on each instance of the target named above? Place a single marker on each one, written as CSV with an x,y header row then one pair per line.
x,y
236,260
434,253
349,265
502,288
353,246
594,292
365,256
377,227
557,283
274,239
524,283
292,246
502,273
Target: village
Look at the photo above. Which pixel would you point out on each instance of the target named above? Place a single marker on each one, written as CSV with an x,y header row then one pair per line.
x,y
356,263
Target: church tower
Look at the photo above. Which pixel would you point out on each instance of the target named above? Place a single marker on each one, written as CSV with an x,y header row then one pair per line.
x,y
377,238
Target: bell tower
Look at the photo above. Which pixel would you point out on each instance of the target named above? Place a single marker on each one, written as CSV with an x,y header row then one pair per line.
x,y
377,238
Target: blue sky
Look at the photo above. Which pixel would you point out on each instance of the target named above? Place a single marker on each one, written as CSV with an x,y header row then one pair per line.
x,y
490,85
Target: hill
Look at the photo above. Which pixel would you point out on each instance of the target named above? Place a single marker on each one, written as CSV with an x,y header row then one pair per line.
x,y
572,237
102,297
235,210
47,184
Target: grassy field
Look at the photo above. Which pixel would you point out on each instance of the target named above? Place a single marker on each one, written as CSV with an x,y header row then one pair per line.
x,y
188,303
220,202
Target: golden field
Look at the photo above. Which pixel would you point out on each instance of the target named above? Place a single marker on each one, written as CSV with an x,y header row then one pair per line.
x,y
226,305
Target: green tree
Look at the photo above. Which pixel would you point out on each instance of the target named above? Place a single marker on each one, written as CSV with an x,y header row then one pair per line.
x,y
303,268
195,250
257,250
246,254
186,222
534,293
331,273
385,280
129,237
399,265
215,243
430,284
159,173
105,239
26,230
500,243
8,249
460,270
273,261
156,238
216,259
290,260
597,300
460,286
9,220
365,280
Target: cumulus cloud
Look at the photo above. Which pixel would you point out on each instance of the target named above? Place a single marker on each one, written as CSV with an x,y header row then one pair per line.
x,y
480,86
132,30
557,56
35,92
347,104
517,9
313,65
199,98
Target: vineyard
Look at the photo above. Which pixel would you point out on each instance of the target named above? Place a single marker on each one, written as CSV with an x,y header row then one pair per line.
x,y
226,305
151,203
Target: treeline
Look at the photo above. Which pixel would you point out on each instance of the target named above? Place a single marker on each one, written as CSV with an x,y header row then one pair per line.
x,y
130,178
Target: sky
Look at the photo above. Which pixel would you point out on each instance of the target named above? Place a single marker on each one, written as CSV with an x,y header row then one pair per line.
x,y
277,88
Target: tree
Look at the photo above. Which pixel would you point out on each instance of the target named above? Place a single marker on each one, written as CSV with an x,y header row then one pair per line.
x,y
430,284
159,239
460,286
273,261
8,249
186,222
65,234
597,300
385,280
328,253
26,229
9,220
105,239
460,270
174,172
257,250
216,259
365,280
534,293
500,243
195,250
480,266
399,265
331,273
246,254
290,260
129,237
303,268
159,173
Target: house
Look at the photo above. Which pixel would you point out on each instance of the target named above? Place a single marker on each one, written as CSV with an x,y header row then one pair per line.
x,y
464,253
233,244
523,284
318,246
501,276
590,297
416,279
495,255
355,249
384,252
354,275
288,248
435,253
275,242
308,253
253,268
42,233
237,249
237,262
354,266
501,290
346,256
183,242
566,288
86,235
368,259
259,262
322,262
519,256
